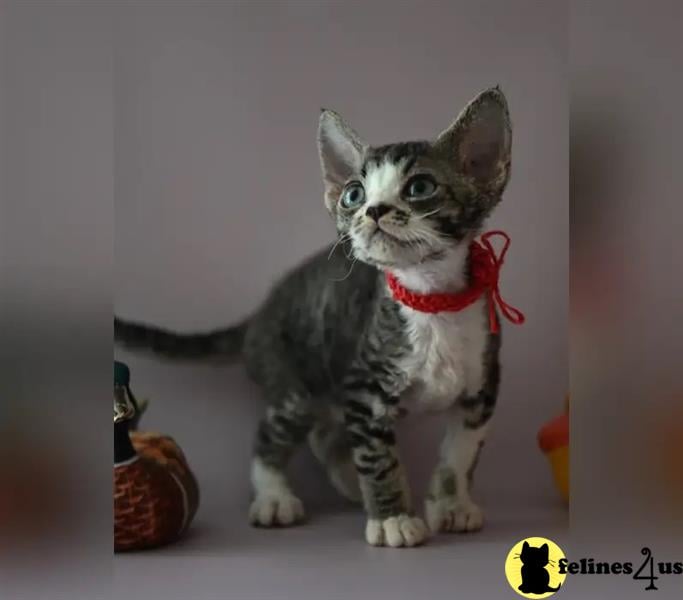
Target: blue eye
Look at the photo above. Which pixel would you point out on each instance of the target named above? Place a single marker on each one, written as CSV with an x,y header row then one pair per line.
x,y
353,196
420,187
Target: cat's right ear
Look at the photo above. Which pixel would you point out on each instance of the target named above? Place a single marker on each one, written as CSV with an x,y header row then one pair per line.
x,y
526,546
341,153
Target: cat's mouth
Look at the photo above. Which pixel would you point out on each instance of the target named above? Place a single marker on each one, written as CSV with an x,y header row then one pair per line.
x,y
385,246
382,234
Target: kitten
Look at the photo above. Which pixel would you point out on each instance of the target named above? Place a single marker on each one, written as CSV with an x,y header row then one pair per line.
x,y
337,356
535,578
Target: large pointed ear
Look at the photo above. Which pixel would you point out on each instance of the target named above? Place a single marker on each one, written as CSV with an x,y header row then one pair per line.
x,y
479,141
525,546
341,153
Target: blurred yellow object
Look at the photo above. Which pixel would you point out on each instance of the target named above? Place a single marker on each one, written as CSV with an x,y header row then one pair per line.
x,y
553,439
559,463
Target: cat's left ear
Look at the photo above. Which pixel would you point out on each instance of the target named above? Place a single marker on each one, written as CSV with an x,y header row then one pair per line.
x,y
544,548
479,141
341,153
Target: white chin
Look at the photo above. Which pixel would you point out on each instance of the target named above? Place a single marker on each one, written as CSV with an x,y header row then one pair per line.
x,y
396,257
382,250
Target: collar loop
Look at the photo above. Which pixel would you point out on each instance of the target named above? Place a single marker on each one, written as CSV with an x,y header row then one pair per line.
x,y
485,266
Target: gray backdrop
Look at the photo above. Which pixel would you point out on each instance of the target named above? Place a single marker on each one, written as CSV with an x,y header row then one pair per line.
x,y
218,191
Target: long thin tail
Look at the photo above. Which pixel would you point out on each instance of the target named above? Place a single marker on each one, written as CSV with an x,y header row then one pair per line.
x,y
218,344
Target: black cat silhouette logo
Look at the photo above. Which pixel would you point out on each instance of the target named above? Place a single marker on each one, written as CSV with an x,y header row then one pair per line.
x,y
532,567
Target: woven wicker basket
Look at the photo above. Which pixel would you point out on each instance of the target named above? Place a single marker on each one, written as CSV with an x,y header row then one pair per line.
x,y
155,493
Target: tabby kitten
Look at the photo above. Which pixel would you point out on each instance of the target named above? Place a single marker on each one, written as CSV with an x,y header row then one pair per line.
x,y
338,358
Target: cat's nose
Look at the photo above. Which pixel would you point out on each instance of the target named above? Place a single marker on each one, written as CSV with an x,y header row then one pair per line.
x,y
375,212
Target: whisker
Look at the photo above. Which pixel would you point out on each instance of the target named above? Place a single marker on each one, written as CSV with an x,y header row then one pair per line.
x,y
342,238
349,273
426,235
429,214
349,254
417,236
447,236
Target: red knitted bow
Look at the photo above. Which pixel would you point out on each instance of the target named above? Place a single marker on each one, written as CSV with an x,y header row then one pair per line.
x,y
485,267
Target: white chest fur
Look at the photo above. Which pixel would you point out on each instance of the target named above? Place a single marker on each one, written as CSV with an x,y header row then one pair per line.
x,y
447,356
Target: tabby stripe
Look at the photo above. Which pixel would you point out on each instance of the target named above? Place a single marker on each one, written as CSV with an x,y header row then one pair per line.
x,y
470,402
377,367
262,436
386,435
391,500
488,399
281,437
409,164
364,470
356,440
372,387
359,420
359,408
483,418
292,427
382,475
369,458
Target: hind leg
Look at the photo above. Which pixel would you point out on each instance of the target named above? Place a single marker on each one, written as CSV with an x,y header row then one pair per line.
x,y
330,446
285,426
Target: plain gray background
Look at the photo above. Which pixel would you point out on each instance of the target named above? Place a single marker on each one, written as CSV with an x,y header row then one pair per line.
x,y
218,191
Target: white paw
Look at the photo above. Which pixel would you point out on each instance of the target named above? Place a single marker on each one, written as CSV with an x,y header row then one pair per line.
x,y
402,530
453,517
269,510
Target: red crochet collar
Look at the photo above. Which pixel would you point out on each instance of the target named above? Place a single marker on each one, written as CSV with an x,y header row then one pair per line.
x,y
485,267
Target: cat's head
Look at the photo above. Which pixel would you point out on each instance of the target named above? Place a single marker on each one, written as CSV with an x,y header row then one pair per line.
x,y
531,555
404,204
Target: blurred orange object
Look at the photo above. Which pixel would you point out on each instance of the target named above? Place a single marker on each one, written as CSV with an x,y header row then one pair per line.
x,y
553,439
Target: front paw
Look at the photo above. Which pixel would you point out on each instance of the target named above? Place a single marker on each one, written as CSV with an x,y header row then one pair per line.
x,y
453,516
396,532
